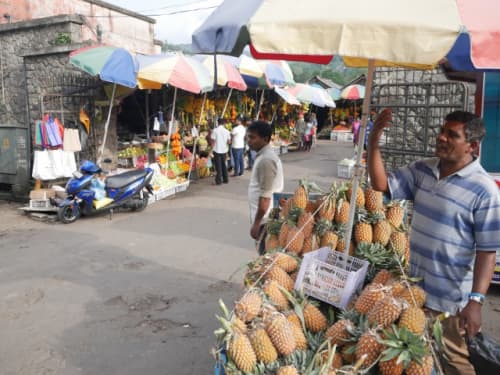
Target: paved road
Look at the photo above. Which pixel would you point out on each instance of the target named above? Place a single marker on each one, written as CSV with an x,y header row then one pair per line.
x,y
136,294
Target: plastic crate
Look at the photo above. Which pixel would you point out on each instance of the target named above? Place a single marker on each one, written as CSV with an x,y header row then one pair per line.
x,y
182,187
341,136
330,276
40,204
345,171
284,150
164,193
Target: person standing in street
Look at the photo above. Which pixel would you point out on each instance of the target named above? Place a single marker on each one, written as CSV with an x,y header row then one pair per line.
x,y
222,138
266,179
300,129
238,146
454,230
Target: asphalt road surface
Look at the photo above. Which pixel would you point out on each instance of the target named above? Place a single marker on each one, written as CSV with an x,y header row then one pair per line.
x,y
136,294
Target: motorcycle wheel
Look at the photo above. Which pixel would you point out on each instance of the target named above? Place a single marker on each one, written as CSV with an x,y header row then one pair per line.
x,y
68,214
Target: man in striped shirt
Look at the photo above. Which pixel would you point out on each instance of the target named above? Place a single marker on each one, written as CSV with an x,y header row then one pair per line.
x,y
455,225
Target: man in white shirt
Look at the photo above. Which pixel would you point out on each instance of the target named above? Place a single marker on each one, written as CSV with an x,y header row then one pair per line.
x,y
238,146
222,138
266,179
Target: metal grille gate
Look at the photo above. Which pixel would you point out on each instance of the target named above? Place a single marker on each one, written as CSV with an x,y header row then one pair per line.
x,y
419,100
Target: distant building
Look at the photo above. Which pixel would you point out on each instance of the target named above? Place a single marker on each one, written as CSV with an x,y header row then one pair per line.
x,y
324,83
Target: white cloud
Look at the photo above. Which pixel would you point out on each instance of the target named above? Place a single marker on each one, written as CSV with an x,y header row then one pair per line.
x,y
174,28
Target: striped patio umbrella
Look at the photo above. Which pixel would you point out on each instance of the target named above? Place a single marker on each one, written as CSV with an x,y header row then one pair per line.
x,y
353,92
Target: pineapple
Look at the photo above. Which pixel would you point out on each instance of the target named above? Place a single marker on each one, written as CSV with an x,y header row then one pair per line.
x,y
369,346
272,238
329,239
306,223
342,212
293,318
298,334
280,332
369,297
238,325
287,207
273,292
382,277
378,256
311,207
280,276
385,312
360,196
382,232
262,345
338,333
414,296
341,246
413,319
337,361
283,235
294,275
285,261
240,350
295,240
300,196
348,353
397,288
373,200
310,244
398,241
363,232
287,370
248,307
425,368
404,350
395,213
314,319
327,206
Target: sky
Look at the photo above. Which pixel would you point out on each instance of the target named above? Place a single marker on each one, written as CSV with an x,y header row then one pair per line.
x,y
174,28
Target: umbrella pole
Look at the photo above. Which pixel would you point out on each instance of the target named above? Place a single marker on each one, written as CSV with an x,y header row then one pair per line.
x,y
147,113
359,169
106,126
227,102
170,124
260,105
195,141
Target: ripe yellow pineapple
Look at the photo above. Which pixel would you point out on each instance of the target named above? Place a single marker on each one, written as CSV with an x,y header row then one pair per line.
x,y
395,214
285,261
396,288
280,276
300,197
414,295
342,212
280,332
241,352
293,318
272,238
238,325
341,246
306,223
382,232
329,239
382,277
338,333
360,196
421,369
327,206
368,345
314,319
283,235
391,367
262,345
337,361
373,200
369,297
413,319
311,207
272,290
385,312
310,243
248,307
287,370
363,232
398,241
300,338
295,240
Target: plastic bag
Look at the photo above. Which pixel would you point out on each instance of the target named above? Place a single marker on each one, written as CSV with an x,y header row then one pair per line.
x,y
484,354
43,168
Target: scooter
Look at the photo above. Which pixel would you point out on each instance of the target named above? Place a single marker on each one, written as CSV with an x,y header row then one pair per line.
x,y
130,189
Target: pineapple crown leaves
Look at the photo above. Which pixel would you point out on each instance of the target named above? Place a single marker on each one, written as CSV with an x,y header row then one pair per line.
x,y
376,216
361,215
274,226
437,334
404,345
315,340
293,215
322,226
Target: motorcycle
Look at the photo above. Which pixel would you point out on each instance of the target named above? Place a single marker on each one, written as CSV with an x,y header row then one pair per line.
x,y
130,189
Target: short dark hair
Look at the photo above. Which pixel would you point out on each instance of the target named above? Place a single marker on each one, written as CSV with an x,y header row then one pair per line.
x,y
261,128
473,125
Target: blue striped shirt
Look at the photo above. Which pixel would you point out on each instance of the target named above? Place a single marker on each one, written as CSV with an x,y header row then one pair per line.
x,y
452,219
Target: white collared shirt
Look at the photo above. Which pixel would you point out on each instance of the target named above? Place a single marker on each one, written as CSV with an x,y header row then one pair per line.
x,y
221,136
238,134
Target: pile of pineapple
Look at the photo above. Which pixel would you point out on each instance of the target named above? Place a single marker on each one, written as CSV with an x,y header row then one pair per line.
x,y
276,330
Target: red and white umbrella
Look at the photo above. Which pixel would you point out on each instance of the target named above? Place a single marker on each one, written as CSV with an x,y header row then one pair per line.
x,y
353,92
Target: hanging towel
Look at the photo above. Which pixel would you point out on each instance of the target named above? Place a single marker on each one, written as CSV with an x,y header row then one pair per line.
x,y
53,133
72,140
60,127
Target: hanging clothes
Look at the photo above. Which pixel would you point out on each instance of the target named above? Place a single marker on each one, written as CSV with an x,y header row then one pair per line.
x,y
53,131
72,140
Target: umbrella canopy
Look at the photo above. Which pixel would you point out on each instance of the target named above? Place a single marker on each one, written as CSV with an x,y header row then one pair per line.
x,y
353,92
478,46
277,73
334,93
286,96
310,94
227,74
111,64
175,70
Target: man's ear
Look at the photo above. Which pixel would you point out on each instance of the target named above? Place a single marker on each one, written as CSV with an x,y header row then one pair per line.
x,y
474,145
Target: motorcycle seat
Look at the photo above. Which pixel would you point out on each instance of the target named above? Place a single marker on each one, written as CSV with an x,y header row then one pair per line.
x,y
123,179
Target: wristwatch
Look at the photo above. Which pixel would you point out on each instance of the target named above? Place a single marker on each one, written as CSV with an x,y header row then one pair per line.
x,y
476,297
